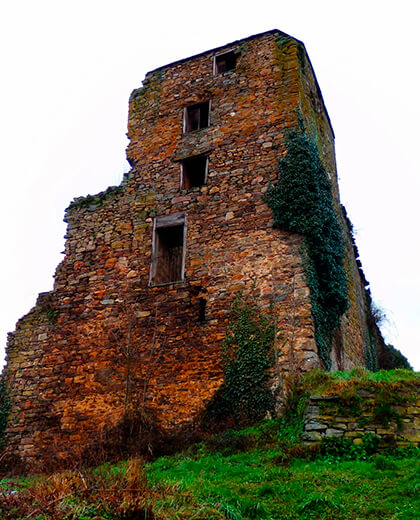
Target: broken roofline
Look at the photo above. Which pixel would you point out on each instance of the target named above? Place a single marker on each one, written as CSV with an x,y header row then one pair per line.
x,y
227,45
238,42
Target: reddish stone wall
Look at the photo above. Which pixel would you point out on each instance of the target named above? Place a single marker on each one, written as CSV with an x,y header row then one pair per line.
x,y
351,340
103,337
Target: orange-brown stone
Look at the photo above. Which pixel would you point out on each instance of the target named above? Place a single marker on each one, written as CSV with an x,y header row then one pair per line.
x,y
112,332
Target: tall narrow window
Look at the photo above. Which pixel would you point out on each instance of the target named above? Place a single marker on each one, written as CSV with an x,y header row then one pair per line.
x,y
193,172
202,302
168,254
224,62
196,116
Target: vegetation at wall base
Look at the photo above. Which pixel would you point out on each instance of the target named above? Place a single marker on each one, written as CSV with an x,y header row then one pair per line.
x,y
260,472
399,381
245,395
360,390
302,202
263,480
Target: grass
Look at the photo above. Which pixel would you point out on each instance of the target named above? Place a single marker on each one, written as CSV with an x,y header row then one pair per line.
x,y
261,472
257,483
253,485
359,391
319,381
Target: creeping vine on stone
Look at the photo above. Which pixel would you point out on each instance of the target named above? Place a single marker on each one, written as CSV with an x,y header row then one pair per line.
x,y
302,202
245,395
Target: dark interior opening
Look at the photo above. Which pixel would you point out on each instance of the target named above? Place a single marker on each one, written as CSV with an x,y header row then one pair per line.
x,y
170,246
197,116
202,309
225,62
194,172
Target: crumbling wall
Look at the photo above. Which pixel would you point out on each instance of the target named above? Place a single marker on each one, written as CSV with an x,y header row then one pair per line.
x,y
402,429
351,340
111,342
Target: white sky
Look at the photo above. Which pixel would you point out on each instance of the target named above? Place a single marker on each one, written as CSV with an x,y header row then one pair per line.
x,y
67,70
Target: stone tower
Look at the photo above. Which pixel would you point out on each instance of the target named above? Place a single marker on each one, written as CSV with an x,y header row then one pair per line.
x,y
141,301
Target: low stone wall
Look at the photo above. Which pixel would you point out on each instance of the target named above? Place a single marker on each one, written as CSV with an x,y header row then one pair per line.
x,y
401,429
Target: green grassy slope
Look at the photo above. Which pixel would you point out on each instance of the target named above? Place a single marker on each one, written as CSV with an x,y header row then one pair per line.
x,y
262,472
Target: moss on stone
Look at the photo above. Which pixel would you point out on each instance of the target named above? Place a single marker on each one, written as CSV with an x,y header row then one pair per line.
x,y
367,396
96,200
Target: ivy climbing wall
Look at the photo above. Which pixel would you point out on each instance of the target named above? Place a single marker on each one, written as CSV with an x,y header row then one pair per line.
x,y
107,341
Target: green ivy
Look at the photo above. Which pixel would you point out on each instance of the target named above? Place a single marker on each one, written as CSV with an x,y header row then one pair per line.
x,y
302,203
245,394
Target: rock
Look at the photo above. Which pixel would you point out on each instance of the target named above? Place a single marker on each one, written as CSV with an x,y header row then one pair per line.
x,y
333,432
311,436
312,424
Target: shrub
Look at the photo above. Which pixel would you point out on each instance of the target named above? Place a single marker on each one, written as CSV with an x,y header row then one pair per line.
x,y
229,442
390,358
384,414
81,495
136,433
343,448
384,463
336,446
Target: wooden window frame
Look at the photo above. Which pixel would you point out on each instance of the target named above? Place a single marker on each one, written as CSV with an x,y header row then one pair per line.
x,y
235,52
182,179
162,222
185,117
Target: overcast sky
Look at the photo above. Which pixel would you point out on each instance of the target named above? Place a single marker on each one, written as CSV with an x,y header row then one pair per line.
x,y
67,70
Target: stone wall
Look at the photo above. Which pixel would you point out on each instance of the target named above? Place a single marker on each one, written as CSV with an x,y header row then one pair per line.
x,y
351,340
321,423
106,339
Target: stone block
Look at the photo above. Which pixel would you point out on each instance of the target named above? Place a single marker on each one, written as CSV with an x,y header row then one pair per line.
x,y
311,436
312,424
413,410
351,434
333,432
230,244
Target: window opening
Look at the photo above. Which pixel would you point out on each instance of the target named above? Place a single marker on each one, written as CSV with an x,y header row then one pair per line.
x,y
225,62
168,255
196,116
202,309
194,172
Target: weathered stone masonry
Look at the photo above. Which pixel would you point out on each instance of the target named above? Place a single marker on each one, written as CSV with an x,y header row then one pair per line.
x,y
321,423
104,336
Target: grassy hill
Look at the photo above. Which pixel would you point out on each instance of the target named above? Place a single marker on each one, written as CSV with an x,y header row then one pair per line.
x,y
261,472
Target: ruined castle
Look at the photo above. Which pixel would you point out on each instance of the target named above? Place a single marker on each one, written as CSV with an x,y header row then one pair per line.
x,y
141,301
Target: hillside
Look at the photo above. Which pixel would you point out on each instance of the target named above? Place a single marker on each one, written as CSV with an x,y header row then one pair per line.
x,y
261,472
